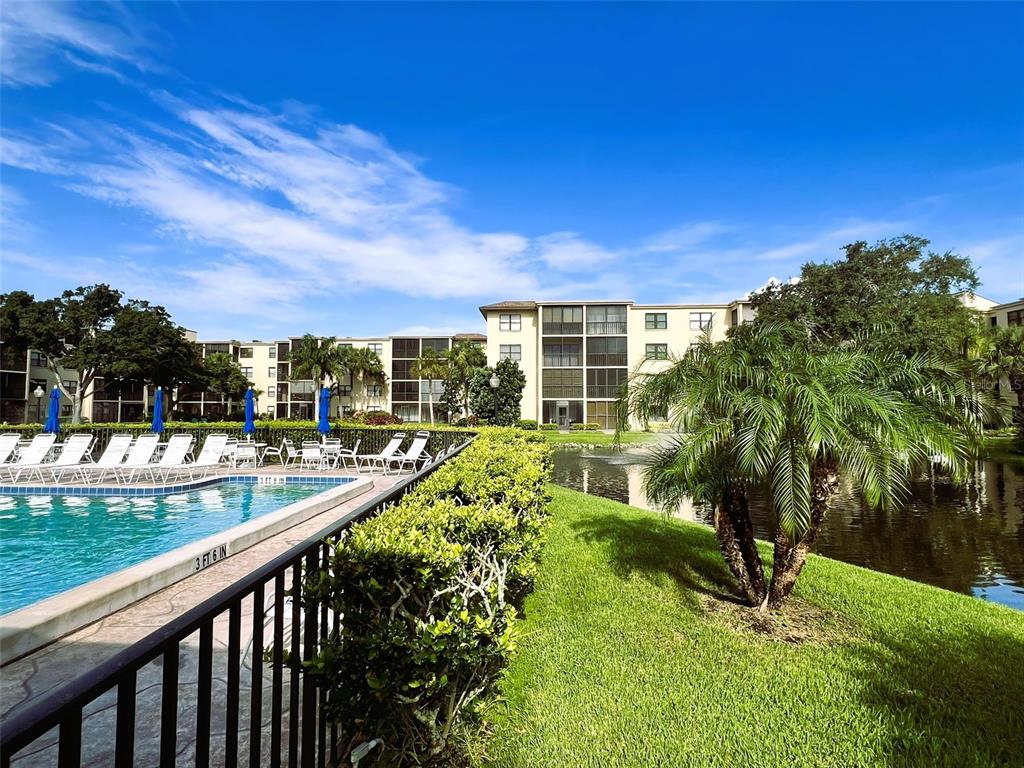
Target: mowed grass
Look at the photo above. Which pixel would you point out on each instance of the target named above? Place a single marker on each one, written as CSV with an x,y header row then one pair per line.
x,y
631,657
599,438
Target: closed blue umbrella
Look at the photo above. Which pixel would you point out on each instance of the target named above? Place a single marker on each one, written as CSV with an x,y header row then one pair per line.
x,y
158,411
324,427
250,412
53,419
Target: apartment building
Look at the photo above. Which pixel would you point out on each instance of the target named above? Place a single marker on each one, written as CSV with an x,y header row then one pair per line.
x,y
577,355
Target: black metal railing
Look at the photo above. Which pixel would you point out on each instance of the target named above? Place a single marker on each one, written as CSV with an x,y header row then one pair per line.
x,y
276,727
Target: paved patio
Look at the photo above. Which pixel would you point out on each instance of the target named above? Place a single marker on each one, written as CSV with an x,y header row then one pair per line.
x,y
26,679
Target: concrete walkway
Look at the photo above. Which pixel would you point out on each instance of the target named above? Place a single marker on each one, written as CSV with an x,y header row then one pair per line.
x,y
26,679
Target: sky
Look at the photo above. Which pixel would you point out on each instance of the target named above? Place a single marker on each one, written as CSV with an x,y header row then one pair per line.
x,y
266,170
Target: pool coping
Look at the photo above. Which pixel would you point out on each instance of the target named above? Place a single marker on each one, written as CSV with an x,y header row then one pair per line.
x,y
27,629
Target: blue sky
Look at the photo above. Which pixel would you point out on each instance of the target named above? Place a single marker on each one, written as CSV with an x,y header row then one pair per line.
x,y
265,170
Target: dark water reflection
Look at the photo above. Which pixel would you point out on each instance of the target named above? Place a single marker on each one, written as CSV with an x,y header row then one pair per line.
x,y
969,540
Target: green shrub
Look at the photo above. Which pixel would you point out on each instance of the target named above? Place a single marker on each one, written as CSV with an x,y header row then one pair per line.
x,y
579,426
549,427
528,424
430,590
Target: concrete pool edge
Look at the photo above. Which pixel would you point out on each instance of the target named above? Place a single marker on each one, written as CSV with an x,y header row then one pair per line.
x,y
30,628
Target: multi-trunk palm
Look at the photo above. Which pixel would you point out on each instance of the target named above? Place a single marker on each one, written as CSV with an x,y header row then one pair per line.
x,y
770,413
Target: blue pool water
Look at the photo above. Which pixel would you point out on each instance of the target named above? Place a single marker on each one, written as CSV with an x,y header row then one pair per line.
x,y
49,544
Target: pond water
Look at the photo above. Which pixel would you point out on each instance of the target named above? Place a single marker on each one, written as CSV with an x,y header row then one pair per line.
x,y
968,540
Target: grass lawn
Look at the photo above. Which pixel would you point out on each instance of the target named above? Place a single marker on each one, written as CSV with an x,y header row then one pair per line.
x,y
599,438
634,656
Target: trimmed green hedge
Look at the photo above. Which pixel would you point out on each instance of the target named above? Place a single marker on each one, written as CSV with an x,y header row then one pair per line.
x,y
581,427
528,424
549,427
430,590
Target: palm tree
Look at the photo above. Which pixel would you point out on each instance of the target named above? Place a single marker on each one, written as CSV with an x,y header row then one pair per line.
x,y
430,365
316,359
365,365
464,359
1000,355
770,412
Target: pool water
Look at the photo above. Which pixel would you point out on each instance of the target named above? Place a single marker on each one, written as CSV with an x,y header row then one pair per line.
x,y
49,544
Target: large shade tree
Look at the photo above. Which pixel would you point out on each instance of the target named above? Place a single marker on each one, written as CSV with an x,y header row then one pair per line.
x,y
897,284
317,359
770,413
223,376
72,330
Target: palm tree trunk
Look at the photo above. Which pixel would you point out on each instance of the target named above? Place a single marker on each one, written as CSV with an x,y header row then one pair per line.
x,y
739,548
430,398
789,557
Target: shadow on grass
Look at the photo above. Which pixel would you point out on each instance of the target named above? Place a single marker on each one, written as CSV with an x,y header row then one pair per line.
x,y
652,548
953,702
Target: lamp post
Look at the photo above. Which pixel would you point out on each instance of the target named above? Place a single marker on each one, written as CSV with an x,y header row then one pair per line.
x,y
495,381
39,392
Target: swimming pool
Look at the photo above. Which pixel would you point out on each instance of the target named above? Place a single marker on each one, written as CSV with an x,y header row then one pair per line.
x,y
50,544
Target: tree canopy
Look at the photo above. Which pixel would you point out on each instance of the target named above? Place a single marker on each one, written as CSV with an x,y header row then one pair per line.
x,y
902,296
501,406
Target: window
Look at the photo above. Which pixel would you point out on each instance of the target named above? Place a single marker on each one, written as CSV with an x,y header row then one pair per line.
x,y
610,351
272,353
606,320
345,390
435,387
438,345
656,352
562,320
1015,317
345,345
700,320
37,359
510,352
605,382
406,348
71,386
405,390
272,372
247,371
735,316
377,349
562,353
602,413
656,321
407,412
245,352
562,383
510,322
271,391
375,390
401,369
65,410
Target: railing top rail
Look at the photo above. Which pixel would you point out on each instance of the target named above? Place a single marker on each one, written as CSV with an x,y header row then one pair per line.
x,y
28,724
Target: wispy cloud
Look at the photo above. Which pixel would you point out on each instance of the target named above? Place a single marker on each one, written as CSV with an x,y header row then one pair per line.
x,y
37,37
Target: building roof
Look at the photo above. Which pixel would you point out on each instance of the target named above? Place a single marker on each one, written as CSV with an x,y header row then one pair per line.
x,y
469,337
501,305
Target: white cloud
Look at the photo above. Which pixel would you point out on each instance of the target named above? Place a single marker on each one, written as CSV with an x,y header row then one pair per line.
x,y
684,237
829,244
566,251
33,35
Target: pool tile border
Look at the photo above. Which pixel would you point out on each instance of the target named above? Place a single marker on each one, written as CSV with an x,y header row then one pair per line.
x,y
161,490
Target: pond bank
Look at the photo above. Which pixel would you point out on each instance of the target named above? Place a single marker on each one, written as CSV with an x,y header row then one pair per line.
x,y
625,661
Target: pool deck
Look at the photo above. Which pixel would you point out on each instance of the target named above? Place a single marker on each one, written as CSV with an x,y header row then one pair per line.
x,y
32,676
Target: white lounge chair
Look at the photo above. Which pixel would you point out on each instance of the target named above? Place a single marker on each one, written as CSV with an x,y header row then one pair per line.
x,y
286,454
113,456
312,455
8,444
173,460
410,459
209,457
372,460
72,451
345,454
32,454
245,455
139,457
